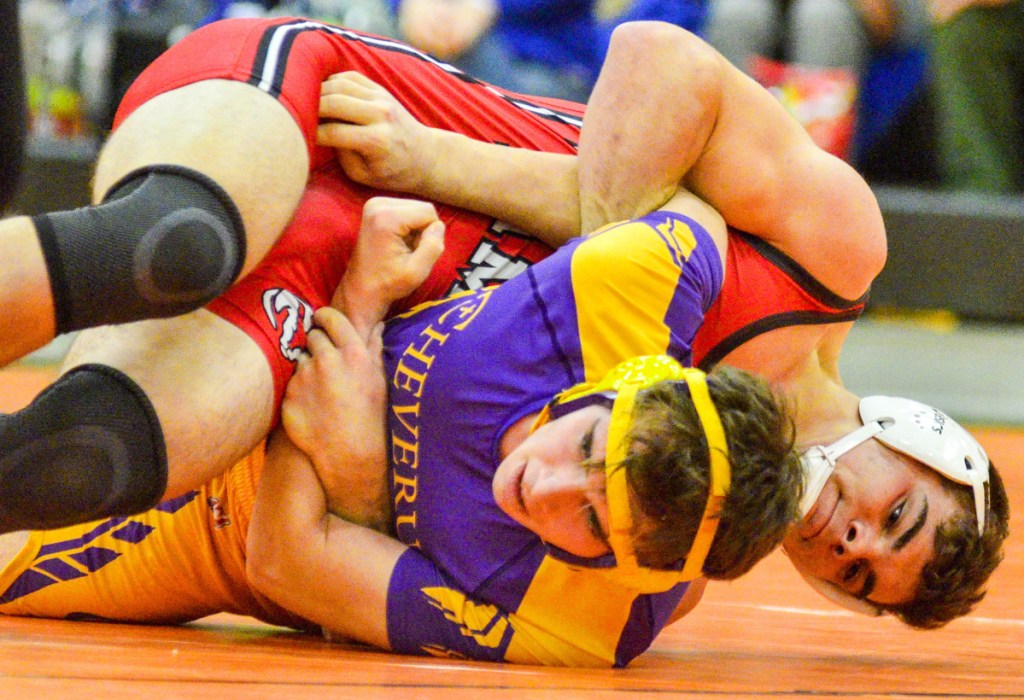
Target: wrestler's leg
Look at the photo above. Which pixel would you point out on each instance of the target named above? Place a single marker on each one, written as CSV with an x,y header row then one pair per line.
x,y
179,561
208,382
239,136
217,164
143,411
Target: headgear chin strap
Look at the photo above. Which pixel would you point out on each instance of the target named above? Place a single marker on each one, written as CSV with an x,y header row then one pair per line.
x,y
916,430
619,388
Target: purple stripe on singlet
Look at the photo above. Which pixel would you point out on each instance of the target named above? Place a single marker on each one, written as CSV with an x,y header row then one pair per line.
x,y
133,532
92,558
171,506
58,568
95,558
176,504
29,582
79,542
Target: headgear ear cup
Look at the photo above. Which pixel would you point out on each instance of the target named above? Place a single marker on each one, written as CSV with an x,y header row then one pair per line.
x,y
934,439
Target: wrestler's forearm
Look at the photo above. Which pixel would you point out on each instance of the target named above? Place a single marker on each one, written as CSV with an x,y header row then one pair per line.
x,y
637,144
702,123
533,191
329,571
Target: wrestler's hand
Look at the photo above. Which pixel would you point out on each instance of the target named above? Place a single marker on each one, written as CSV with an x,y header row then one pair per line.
x,y
399,242
334,411
379,143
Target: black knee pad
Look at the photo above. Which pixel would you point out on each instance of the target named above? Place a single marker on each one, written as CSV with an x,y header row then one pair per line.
x,y
89,446
166,240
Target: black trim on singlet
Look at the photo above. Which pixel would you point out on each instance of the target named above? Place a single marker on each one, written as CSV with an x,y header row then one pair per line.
x,y
792,269
844,309
563,359
771,323
275,46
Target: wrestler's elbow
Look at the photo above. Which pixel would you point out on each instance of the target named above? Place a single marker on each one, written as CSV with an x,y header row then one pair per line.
x,y
672,57
653,38
643,35
272,563
866,246
264,570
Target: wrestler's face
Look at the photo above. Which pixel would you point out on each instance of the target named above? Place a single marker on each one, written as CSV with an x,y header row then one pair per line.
x,y
872,529
553,482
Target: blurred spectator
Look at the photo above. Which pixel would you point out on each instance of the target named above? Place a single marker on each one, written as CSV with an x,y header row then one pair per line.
x,y
978,60
13,110
538,47
881,43
820,33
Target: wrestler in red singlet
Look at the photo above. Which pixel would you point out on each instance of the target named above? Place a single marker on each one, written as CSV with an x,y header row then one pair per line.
x,y
764,290
289,59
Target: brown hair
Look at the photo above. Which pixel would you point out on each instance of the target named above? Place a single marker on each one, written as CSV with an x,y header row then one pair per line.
x,y
954,581
668,472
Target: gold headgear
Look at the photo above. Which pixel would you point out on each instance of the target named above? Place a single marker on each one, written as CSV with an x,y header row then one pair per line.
x,y
621,386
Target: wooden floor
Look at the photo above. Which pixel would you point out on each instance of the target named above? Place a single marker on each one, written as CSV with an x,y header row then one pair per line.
x,y
766,635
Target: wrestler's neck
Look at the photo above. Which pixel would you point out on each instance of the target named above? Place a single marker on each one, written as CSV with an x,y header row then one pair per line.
x,y
825,411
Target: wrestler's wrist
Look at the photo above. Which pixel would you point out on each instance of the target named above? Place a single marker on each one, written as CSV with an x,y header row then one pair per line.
x,y
363,303
427,178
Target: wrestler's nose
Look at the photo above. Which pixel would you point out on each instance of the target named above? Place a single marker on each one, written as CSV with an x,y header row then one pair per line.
x,y
556,489
857,541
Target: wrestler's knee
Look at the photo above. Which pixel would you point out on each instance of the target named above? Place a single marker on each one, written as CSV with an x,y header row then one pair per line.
x,y
234,133
166,240
89,446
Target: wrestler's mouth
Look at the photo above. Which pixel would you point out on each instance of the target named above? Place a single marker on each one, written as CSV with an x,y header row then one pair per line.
x,y
517,485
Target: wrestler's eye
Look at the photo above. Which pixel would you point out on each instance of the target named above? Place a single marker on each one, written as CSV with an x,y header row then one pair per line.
x,y
594,524
587,444
894,517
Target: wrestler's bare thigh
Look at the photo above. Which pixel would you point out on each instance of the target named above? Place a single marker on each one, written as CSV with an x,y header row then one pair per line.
x,y
236,134
208,381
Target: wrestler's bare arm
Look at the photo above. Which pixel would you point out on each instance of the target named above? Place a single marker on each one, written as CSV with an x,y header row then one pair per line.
x,y
325,569
336,414
381,145
707,125
697,121
329,457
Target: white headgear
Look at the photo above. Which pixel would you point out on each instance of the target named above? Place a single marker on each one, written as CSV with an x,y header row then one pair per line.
x,y
916,430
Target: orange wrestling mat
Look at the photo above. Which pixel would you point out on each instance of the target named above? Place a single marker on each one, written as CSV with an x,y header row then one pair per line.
x,y
765,636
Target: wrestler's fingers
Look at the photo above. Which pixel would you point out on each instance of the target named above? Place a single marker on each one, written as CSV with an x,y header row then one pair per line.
x,y
429,248
318,342
406,216
349,109
337,327
384,217
346,137
352,80
302,360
